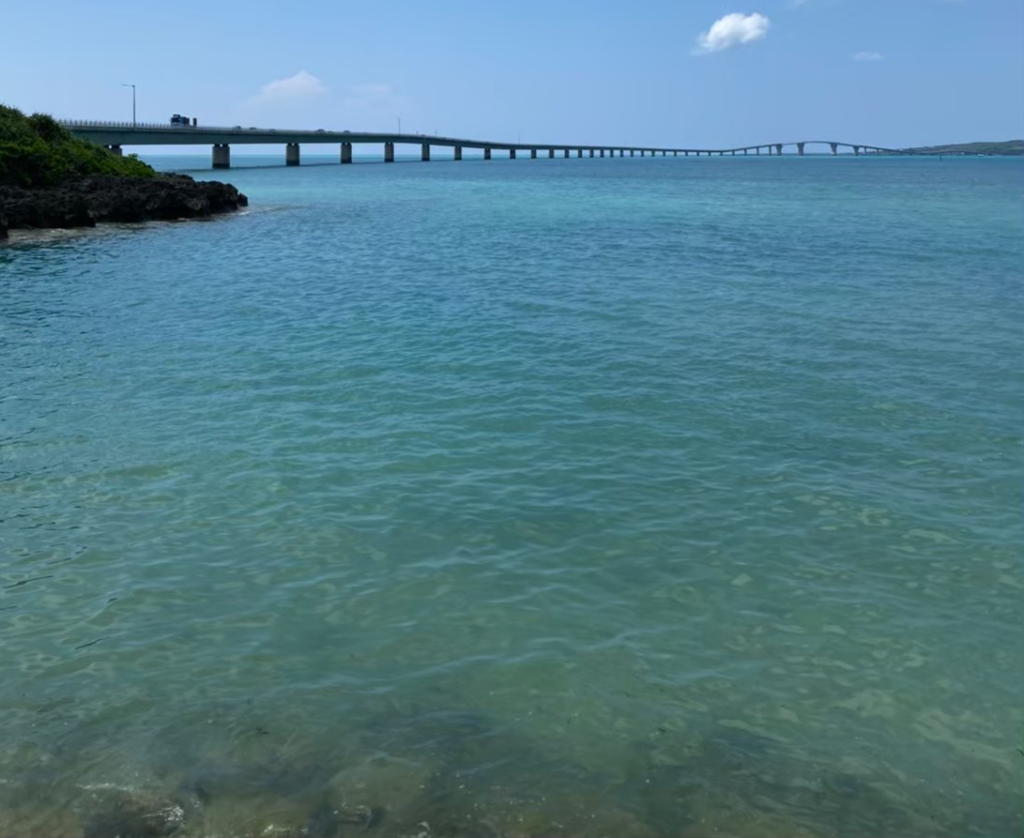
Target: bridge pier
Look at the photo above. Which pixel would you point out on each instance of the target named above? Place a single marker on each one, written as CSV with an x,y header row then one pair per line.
x,y
116,150
511,154
389,152
346,152
565,153
533,154
487,154
221,156
856,150
800,149
425,152
591,152
835,148
551,154
579,153
291,154
778,149
458,152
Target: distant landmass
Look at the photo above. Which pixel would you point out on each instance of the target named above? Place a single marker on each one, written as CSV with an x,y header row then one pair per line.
x,y
1008,147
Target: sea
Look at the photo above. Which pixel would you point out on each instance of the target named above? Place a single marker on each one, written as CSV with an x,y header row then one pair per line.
x,y
591,497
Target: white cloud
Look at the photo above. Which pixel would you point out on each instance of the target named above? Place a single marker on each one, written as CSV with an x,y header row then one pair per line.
x,y
868,56
732,30
301,86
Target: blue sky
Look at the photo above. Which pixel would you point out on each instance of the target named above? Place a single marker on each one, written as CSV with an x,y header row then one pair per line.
x,y
653,72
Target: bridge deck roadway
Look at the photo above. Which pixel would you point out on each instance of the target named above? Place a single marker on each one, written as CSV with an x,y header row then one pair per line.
x,y
145,134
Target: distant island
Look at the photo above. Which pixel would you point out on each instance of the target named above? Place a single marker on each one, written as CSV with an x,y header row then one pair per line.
x,y
1009,147
52,179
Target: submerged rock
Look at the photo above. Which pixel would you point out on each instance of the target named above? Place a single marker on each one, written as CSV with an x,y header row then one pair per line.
x,y
327,821
127,818
86,201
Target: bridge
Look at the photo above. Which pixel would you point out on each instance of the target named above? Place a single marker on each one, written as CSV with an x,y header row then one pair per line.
x,y
115,135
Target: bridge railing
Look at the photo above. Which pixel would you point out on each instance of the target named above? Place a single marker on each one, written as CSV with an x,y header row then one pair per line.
x,y
236,129
148,126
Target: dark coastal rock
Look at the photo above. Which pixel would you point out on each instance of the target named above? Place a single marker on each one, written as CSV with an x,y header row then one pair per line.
x,y
86,201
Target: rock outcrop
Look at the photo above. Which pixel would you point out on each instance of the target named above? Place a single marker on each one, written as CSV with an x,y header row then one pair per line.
x,y
84,202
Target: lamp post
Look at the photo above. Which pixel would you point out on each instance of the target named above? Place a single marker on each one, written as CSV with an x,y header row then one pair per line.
x,y
399,124
132,86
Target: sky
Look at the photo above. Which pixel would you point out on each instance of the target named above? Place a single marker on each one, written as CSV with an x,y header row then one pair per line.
x,y
698,73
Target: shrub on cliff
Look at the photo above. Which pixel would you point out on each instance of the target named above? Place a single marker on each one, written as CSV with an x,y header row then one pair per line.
x,y
36,151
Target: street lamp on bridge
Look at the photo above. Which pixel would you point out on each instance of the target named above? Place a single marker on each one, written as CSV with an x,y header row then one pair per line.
x,y
132,86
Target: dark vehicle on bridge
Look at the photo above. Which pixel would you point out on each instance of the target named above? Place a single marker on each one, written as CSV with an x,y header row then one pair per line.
x,y
178,119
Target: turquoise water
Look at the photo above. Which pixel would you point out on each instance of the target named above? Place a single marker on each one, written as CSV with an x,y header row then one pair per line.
x,y
587,497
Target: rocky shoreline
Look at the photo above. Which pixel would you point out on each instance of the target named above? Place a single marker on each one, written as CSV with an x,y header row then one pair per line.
x,y
87,201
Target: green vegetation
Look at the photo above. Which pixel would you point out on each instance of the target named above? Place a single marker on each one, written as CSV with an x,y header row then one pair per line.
x,y
36,151
1008,147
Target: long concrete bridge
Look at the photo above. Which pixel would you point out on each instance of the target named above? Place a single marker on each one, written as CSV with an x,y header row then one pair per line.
x,y
115,135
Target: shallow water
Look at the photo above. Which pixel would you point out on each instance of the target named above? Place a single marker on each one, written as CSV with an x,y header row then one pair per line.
x,y
586,497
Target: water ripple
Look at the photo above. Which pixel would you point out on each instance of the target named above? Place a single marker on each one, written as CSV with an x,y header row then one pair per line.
x,y
630,500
